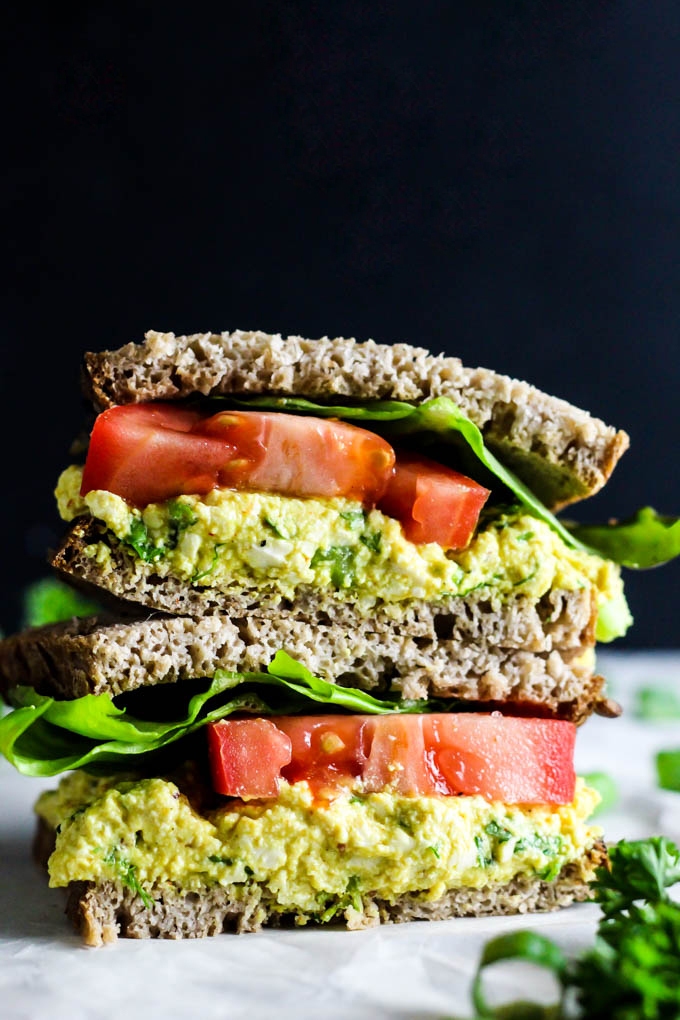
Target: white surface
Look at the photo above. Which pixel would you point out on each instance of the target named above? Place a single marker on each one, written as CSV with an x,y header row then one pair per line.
x,y
415,971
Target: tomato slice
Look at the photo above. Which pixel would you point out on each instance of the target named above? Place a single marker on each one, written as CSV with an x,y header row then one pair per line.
x,y
327,751
247,757
148,453
503,758
433,503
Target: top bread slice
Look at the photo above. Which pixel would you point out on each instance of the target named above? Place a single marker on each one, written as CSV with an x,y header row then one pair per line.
x,y
561,452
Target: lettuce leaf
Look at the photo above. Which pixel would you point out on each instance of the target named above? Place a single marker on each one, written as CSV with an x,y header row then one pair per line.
x,y
49,600
647,539
43,737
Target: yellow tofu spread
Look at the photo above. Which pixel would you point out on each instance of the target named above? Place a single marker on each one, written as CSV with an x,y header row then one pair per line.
x,y
229,539
311,858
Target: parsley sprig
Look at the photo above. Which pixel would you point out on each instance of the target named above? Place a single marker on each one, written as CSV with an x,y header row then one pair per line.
x,y
633,970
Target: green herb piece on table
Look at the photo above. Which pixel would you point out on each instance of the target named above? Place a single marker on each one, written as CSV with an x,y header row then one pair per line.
x,y
607,789
668,770
633,970
657,704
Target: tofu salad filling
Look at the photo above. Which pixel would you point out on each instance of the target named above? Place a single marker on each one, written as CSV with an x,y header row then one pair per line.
x,y
307,858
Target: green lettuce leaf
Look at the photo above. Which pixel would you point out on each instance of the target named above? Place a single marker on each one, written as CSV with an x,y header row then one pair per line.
x,y
647,539
50,600
43,737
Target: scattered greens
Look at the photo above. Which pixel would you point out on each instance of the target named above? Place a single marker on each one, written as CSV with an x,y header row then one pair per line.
x,y
607,789
126,872
657,704
43,737
342,559
200,574
49,601
668,770
180,516
333,905
372,540
138,539
633,970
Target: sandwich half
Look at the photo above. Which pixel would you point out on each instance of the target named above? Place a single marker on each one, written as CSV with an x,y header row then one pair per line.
x,y
345,649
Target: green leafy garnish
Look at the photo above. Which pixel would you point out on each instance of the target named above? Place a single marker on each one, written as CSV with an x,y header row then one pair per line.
x,y
274,527
200,574
44,737
668,770
657,704
342,559
498,832
484,858
49,601
633,970
518,945
372,540
350,898
647,539
127,873
355,518
138,538
607,789
181,517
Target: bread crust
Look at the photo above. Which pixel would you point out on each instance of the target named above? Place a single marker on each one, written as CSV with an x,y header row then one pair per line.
x,y
563,453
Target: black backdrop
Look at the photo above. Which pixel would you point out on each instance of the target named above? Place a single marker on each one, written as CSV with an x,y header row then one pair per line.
x,y
498,180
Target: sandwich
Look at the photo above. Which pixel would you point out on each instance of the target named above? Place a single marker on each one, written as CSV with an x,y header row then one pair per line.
x,y
344,645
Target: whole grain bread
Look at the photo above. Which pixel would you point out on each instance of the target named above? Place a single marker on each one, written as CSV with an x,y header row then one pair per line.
x,y
532,655
561,452
103,912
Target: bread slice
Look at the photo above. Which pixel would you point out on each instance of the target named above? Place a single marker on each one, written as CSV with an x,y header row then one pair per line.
x,y
101,912
561,452
522,652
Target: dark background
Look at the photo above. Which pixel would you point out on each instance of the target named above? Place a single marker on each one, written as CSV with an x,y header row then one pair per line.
x,y
496,180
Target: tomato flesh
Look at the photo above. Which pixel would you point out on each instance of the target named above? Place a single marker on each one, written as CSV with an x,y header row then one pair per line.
x,y
433,502
251,754
511,759
148,453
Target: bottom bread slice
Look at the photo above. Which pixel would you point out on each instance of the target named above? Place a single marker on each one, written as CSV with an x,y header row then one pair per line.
x,y
103,912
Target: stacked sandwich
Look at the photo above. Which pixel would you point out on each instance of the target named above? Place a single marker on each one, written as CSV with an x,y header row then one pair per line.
x,y
345,649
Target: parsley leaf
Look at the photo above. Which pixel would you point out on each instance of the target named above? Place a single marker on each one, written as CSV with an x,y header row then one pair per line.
x,y
138,538
633,970
342,560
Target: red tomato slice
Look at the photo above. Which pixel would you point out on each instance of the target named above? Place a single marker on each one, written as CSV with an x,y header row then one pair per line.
x,y
247,756
326,751
148,453
433,503
399,758
505,758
